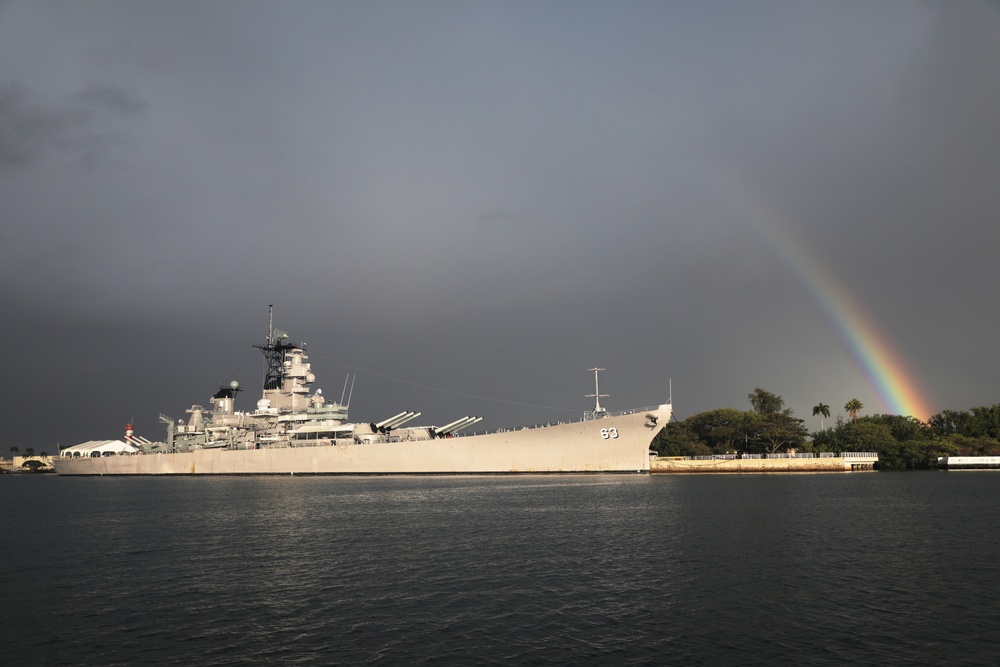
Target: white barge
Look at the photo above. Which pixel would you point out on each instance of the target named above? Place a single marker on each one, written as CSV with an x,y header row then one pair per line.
x,y
969,462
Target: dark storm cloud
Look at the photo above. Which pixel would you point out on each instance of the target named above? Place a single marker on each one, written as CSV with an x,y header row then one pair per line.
x,y
110,98
31,128
28,130
494,197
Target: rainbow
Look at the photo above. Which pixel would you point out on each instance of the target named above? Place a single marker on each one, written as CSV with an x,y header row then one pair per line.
x,y
870,348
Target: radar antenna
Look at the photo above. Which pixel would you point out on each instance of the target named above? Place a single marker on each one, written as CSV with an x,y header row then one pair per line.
x,y
597,395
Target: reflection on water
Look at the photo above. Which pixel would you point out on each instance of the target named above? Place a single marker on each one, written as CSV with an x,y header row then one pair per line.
x,y
867,568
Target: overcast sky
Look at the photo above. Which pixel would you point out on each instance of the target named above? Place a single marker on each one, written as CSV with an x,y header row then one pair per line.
x,y
469,204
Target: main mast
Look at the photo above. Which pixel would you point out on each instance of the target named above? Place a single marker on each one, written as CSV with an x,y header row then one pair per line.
x,y
287,376
274,351
597,396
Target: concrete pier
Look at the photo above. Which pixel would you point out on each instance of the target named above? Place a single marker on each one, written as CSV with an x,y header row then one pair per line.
x,y
844,462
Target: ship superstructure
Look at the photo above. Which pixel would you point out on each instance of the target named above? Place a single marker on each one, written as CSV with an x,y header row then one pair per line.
x,y
288,411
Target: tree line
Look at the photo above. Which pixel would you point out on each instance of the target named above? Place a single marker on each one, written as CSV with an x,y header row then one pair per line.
x,y
29,452
902,442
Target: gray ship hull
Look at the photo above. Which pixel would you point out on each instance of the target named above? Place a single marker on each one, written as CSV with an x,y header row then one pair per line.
x,y
611,444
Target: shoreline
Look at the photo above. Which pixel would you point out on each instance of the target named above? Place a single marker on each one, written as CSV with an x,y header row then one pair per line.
x,y
850,462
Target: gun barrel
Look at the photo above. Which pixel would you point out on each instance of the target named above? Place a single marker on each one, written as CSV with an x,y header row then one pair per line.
x,y
388,422
447,428
457,425
470,422
402,419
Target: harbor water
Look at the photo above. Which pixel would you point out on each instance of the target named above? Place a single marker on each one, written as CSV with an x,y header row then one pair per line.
x,y
820,569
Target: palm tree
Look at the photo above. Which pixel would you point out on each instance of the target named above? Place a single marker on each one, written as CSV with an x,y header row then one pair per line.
x,y
29,452
13,451
823,410
854,406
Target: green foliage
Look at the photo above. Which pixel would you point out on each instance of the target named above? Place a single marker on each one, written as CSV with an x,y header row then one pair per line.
x,y
867,435
906,443
720,430
911,455
776,432
975,423
829,440
767,428
902,428
823,411
676,439
765,403
910,444
987,421
901,442
962,445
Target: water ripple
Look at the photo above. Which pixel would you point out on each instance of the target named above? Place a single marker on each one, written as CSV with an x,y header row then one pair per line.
x,y
867,569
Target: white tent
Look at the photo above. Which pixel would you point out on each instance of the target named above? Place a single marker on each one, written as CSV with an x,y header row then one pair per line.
x,y
99,448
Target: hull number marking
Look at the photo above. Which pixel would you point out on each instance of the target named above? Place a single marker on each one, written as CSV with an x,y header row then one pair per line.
x,y
608,433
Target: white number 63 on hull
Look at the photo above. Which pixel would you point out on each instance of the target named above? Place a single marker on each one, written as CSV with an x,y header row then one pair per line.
x,y
607,433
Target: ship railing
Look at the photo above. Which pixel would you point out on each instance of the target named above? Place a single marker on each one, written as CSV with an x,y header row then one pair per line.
x,y
631,411
559,423
777,455
790,455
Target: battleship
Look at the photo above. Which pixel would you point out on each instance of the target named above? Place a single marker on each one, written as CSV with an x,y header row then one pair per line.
x,y
295,430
